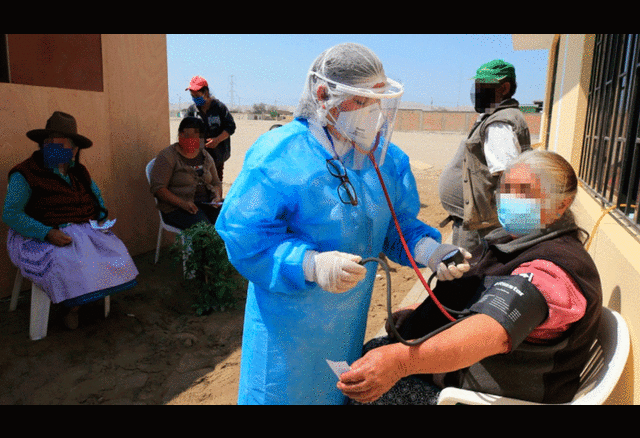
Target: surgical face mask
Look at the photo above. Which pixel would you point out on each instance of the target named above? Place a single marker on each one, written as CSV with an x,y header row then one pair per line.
x,y
482,97
361,126
189,145
519,216
55,154
199,101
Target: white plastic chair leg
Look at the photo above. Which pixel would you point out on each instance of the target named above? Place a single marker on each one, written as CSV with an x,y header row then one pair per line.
x,y
40,306
158,244
39,319
17,284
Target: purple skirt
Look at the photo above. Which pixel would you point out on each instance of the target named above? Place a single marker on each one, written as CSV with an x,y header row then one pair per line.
x,y
94,261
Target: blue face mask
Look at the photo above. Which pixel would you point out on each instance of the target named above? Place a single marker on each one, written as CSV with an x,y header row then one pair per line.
x,y
199,101
519,216
55,154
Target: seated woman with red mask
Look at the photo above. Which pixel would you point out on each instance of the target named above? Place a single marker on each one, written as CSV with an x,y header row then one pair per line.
x,y
184,179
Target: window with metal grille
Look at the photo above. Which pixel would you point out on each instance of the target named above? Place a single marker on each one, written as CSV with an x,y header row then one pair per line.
x,y
610,161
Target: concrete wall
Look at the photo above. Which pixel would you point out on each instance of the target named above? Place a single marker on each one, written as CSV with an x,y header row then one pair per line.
x,y
128,123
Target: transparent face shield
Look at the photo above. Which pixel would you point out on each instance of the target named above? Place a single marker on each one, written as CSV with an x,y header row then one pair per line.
x,y
362,118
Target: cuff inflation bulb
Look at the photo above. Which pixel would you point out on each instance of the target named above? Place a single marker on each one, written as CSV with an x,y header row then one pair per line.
x,y
454,257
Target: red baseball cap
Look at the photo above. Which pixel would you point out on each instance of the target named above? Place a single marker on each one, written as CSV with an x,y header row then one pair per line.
x,y
196,83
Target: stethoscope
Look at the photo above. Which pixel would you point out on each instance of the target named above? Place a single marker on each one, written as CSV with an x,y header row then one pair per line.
x,y
454,256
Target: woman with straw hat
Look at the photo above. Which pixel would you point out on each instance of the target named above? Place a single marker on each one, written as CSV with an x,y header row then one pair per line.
x,y
57,237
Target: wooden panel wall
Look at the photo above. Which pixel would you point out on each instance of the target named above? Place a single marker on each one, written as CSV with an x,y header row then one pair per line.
x,y
128,123
138,101
65,60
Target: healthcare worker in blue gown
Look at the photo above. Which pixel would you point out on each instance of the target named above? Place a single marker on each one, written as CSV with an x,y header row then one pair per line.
x,y
305,209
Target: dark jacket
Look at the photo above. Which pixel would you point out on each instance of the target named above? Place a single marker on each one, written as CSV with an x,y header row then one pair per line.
x,y
546,373
217,119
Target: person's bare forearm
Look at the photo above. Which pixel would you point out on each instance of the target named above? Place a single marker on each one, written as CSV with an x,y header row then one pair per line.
x,y
460,346
465,343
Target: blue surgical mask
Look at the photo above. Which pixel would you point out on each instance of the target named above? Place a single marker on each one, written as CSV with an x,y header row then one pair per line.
x,y
55,154
199,101
519,216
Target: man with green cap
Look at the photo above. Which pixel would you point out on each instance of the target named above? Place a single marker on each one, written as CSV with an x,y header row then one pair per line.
x,y
468,183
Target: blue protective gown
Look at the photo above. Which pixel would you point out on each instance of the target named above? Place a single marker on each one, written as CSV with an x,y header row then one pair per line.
x,y
283,203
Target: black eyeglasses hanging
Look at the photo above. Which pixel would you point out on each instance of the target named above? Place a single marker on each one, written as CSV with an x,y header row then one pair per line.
x,y
346,192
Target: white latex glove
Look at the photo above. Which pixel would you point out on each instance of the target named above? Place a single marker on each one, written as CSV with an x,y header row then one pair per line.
x,y
453,271
334,271
430,253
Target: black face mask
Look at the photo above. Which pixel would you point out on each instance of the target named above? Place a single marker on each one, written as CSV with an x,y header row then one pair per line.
x,y
482,97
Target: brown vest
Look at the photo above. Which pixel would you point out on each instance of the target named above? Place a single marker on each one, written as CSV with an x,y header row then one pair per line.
x,y
53,201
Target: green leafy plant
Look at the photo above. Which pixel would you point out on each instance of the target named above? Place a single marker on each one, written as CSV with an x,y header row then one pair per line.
x,y
208,273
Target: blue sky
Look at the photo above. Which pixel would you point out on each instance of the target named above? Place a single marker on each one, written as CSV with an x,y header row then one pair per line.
x,y
270,69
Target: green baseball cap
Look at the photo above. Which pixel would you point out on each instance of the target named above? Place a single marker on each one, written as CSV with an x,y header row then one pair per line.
x,y
494,71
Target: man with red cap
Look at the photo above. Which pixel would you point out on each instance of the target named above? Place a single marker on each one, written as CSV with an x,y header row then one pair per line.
x,y
217,119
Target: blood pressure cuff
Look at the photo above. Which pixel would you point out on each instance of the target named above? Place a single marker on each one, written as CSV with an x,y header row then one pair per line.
x,y
515,303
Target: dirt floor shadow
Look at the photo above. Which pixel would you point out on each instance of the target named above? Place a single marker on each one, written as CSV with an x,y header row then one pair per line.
x,y
151,347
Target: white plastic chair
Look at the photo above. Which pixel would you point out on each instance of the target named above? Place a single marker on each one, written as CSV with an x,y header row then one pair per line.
x,y
40,305
162,226
598,379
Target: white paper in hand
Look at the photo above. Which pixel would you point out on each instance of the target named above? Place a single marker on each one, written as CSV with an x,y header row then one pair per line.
x,y
338,367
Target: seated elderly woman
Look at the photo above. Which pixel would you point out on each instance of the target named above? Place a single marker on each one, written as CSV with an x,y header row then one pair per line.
x,y
55,212
184,179
529,306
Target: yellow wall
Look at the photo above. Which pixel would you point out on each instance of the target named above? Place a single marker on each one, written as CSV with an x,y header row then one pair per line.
x,y
614,248
128,123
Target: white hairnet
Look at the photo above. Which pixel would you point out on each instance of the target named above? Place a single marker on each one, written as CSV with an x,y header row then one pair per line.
x,y
345,71
347,63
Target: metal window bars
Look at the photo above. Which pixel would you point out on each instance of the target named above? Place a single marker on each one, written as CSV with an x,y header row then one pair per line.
x,y
610,161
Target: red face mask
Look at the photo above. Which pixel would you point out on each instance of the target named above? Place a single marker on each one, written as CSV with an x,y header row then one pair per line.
x,y
189,145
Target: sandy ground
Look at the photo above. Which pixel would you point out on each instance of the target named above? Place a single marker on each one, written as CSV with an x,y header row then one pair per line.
x,y
153,349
